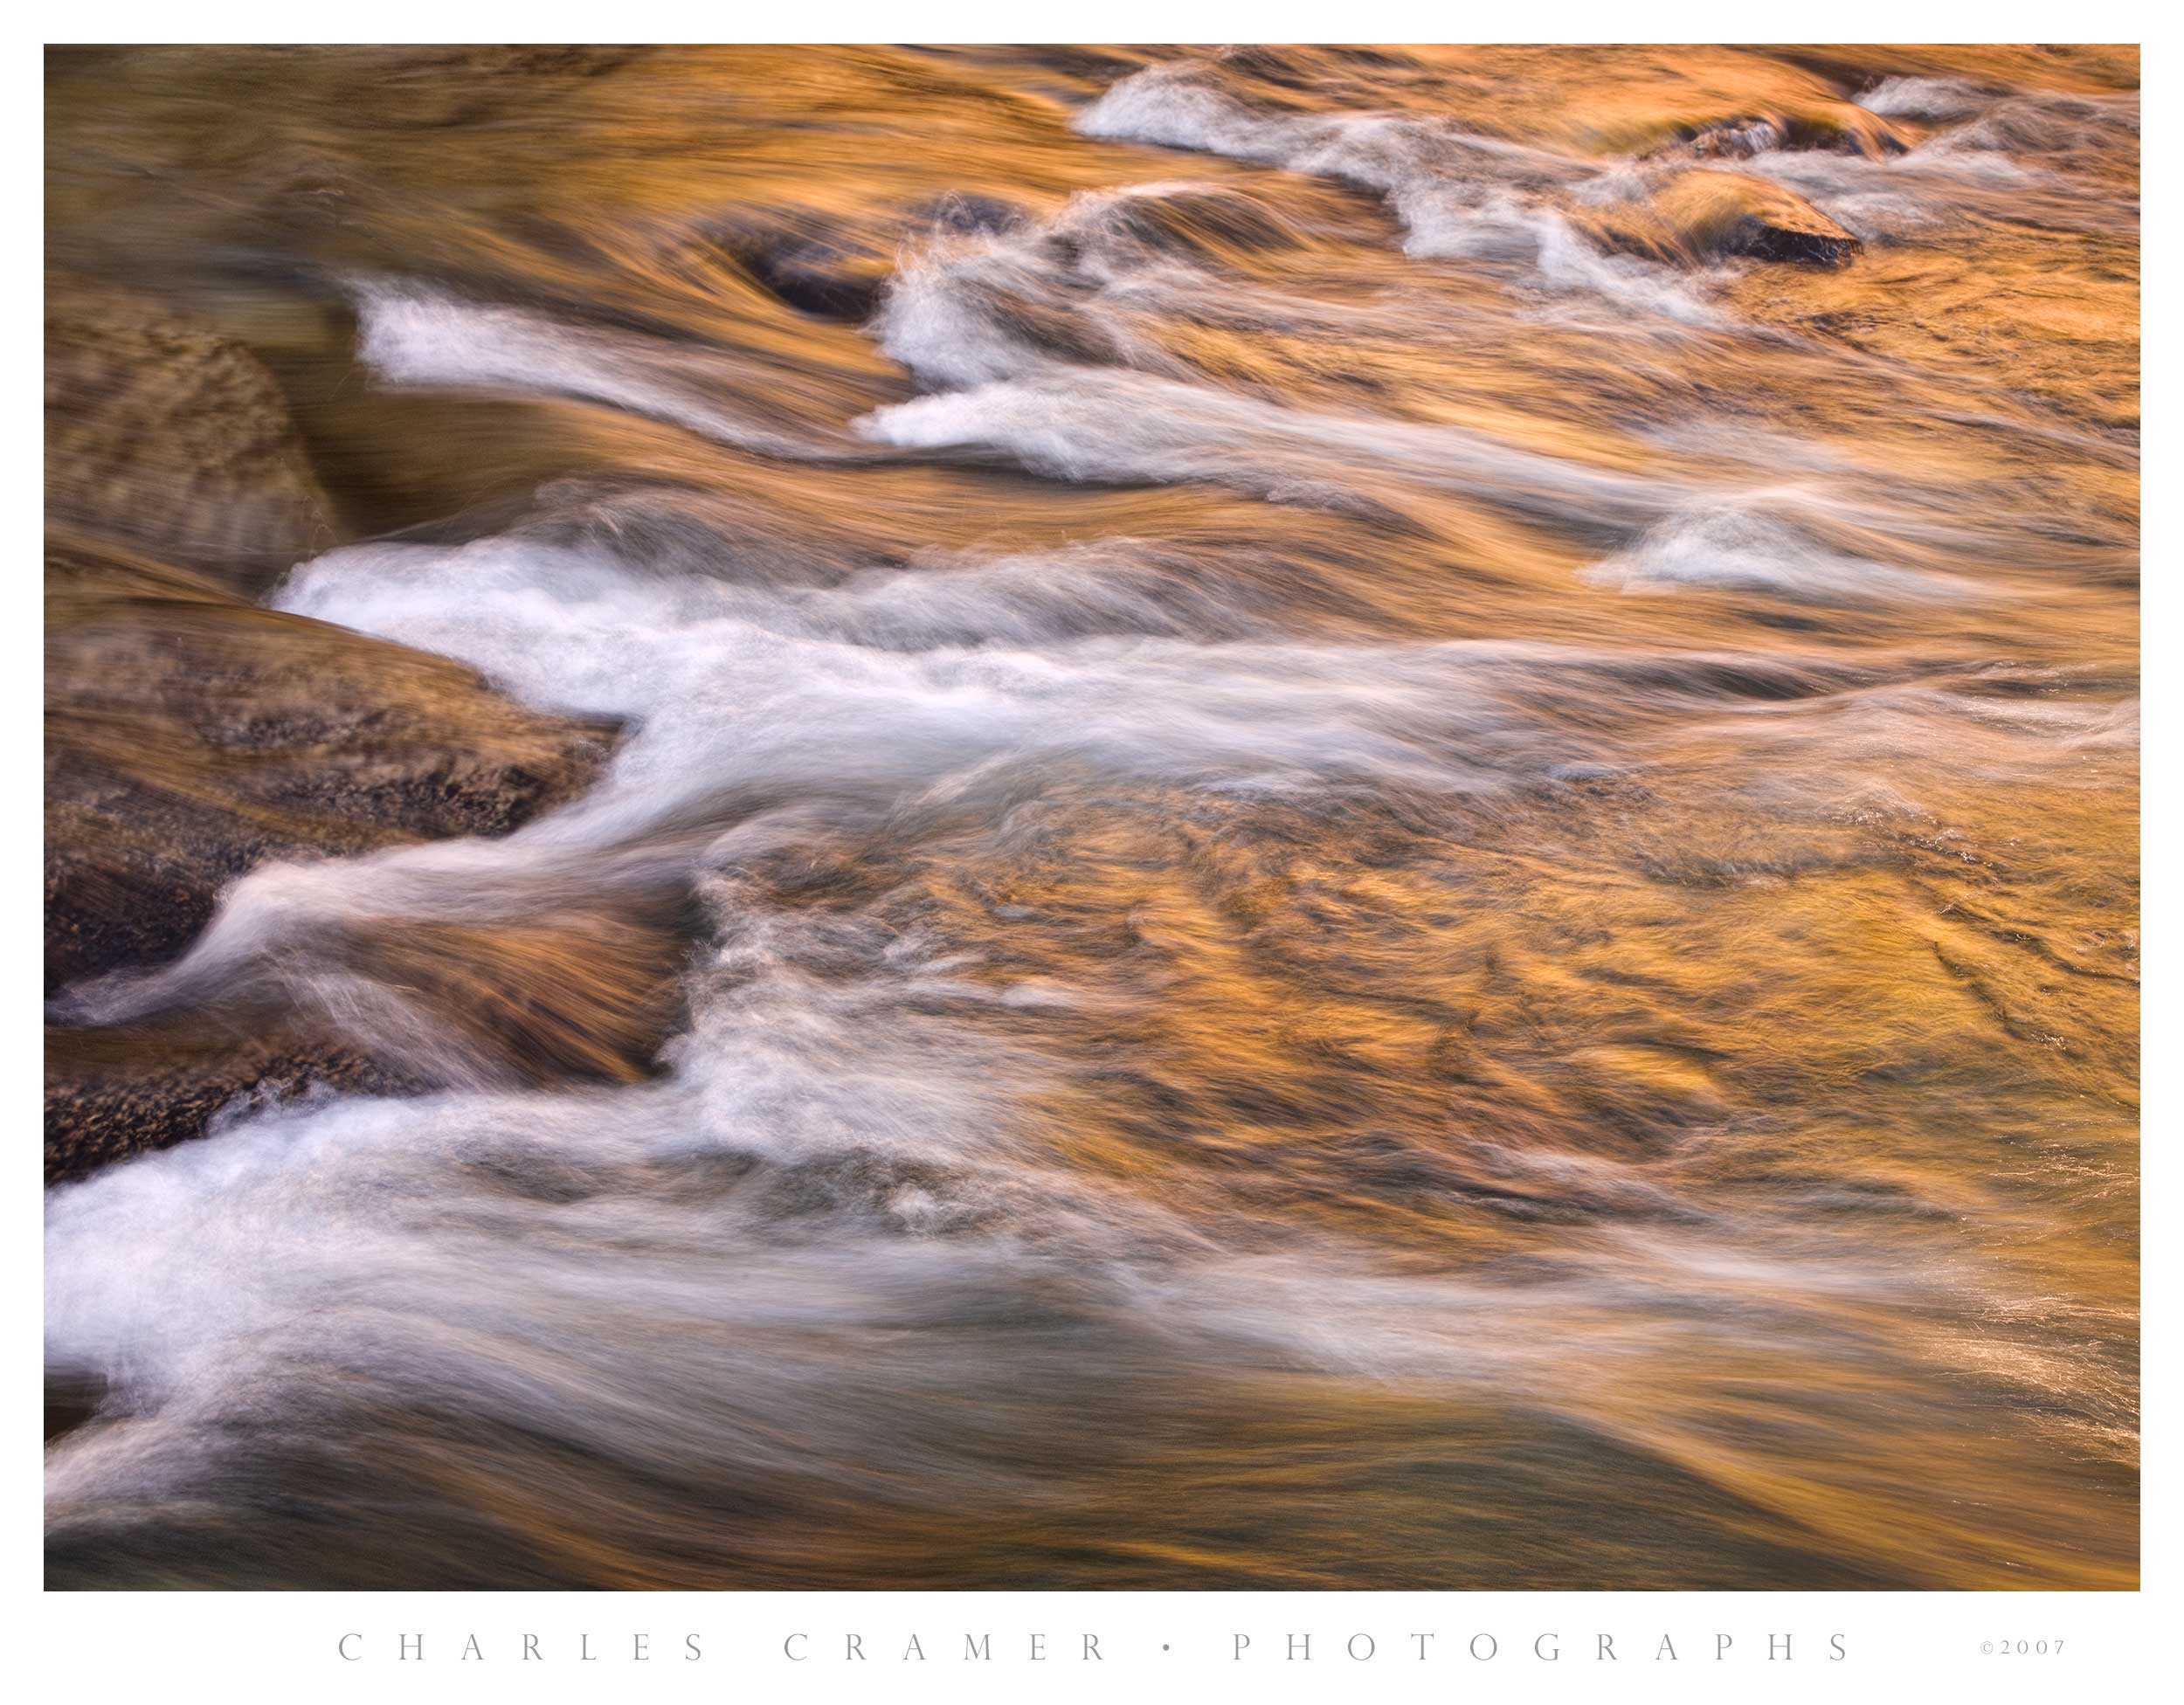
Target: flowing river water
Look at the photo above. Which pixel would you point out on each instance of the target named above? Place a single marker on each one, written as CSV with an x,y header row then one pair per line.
x,y
1393,874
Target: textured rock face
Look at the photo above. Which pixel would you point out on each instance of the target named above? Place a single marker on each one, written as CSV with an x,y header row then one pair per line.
x,y
111,1094
1699,215
166,435
192,735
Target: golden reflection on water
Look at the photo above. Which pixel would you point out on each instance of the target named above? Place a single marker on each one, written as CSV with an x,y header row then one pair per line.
x,y
1650,1100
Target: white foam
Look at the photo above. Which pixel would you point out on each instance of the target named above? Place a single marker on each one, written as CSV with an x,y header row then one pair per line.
x,y
1460,196
2011,156
1742,547
1925,98
957,312
1114,425
411,335
836,1212
743,696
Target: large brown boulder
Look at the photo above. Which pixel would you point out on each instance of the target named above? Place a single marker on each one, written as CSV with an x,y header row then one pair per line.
x,y
192,735
162,433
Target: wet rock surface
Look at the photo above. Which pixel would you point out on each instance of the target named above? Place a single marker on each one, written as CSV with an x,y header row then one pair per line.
x,y
161,432
192,735
114,1092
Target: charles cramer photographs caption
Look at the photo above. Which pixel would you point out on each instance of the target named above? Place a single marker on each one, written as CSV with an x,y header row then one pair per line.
x,y
856,1647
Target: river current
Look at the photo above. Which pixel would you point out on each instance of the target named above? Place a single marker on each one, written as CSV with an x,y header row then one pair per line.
x,y
1382,886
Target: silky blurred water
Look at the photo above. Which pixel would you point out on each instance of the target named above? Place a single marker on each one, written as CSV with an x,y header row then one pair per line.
x,y
1383,892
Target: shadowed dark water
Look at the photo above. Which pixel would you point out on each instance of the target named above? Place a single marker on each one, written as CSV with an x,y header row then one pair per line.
x,y
1400,872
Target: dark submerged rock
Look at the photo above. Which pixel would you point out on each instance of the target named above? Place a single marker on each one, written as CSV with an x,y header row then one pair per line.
x,y
1699,215
814,265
